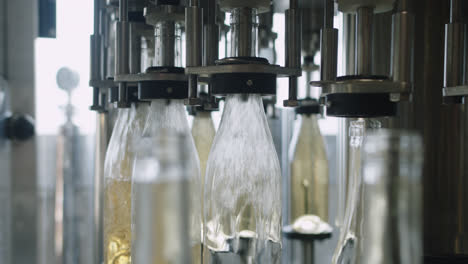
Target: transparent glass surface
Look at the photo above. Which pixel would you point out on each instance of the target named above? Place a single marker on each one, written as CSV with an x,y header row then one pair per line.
x,y
203,132
309,174
242,188
160,206
118,168
392,168
170,115
349,243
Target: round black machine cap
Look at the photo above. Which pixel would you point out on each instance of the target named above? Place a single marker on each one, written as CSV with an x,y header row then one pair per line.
x,y
243,83
308,106
360,105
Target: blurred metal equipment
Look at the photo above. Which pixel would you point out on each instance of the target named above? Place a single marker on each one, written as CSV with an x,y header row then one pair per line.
x,y
455,64
392,222
73,238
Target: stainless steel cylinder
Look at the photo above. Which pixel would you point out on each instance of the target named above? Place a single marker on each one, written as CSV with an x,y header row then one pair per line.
x,y
122,48
293,38
364,40
454,53
211,47
95,50
329,50
194,36
135,48
402,47
349,38
165,43
244,31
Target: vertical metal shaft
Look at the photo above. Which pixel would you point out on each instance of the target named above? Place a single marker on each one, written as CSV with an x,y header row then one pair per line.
x,y
244,32
349,36
402,45
194,46
122,51
454,47
364,40
293,47
329,13
165,43
135,48
455,11
328,44
95,50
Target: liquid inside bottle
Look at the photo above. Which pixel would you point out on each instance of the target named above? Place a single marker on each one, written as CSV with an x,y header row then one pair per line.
x,y
171,115
242,188
309,176
117,184
203,132
161,207
349,244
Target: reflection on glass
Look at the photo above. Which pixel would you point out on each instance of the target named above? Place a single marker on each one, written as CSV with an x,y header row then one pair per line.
x,y
117,186
171,115
348,248
242,188
309,173
392,167
160,213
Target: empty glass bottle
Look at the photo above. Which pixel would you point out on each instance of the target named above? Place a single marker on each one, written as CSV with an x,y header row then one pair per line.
x,y
392,168
349,243
118,168
170,115
242,187
161,200
309,173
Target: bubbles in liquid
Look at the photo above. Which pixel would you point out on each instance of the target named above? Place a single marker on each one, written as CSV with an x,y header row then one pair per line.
x,y
117,222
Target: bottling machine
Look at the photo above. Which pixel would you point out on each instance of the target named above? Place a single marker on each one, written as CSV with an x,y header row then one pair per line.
x,y
383,64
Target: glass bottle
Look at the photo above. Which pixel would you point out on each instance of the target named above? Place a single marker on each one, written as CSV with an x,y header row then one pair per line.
x,y
347,250
309,173
161,203
171,115
203,132
242,187
118,168
392,169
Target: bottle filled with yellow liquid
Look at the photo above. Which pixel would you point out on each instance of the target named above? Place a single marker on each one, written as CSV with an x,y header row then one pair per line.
x,y
203,132
309,170
117,184
170,115
161,205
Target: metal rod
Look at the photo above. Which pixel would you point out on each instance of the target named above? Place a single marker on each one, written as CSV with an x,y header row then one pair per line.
x,y
293,4
349,36
402,47
455,11
97,16
123,10
364,40
165,43
243,32
329,13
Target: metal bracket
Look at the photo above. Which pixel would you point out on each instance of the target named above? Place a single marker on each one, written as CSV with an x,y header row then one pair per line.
x,y
366,86
153,76
207,71
455,91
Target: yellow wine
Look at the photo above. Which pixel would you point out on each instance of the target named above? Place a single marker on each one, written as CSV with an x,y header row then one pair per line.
x,y
117,221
